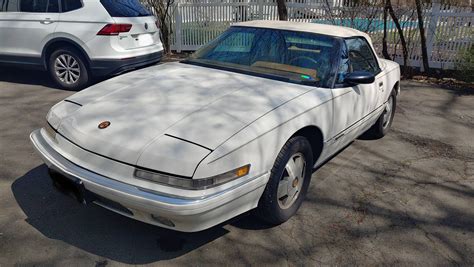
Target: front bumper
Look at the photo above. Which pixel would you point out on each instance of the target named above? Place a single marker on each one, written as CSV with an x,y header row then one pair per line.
x,y
105,67
186,214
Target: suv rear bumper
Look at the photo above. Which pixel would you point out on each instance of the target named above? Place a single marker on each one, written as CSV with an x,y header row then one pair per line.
x,y
104,67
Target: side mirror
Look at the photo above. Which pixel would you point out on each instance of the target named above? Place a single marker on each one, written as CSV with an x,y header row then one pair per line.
x,y
359,77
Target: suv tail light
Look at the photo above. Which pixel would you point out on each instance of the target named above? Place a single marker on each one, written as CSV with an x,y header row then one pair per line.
x,y
157,23
114,29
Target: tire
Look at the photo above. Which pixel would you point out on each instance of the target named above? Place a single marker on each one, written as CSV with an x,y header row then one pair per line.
x,y
64,65
384,122
275,209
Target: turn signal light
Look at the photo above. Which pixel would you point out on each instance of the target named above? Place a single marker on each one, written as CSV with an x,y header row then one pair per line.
x,y
192,184
114,29
242,171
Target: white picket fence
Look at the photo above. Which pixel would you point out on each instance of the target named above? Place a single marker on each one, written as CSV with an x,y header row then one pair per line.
x,y
449,30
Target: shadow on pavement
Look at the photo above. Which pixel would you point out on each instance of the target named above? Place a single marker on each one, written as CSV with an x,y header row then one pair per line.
x,y
28,76
24,75
97,230
19,75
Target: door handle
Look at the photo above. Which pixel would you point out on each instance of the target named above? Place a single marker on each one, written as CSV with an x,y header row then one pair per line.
x,y
46,21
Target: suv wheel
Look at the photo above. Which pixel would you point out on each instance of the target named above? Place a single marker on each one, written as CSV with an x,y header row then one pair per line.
x,y
67,67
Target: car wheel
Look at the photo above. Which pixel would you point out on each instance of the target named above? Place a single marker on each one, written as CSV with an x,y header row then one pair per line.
x,y
67,67
384,122
288,183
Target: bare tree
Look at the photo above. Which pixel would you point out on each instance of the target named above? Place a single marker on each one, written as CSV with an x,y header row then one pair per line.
x,y
421,28
384,40
329,11
282,10
163,9
389,7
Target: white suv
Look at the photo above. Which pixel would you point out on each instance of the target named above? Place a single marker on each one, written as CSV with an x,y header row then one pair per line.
x,y
77,39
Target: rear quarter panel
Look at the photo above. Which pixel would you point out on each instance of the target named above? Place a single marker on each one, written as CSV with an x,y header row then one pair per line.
x,y
82,25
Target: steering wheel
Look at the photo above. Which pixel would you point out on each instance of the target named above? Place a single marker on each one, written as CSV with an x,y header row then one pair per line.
x,y
304,57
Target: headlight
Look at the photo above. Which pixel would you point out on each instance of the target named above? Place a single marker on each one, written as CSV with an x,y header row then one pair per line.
x,y
50,130
192,184
60,111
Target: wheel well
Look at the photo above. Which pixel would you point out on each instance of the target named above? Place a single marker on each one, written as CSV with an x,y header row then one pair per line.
x,y
396,87
315,138
54,45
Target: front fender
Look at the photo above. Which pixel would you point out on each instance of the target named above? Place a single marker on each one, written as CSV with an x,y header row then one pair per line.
x,y
260,142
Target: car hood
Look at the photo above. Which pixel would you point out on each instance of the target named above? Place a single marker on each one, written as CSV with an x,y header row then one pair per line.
x,y
198,105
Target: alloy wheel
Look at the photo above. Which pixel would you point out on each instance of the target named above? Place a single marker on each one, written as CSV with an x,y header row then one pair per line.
x,y
292,180
387,115
67,69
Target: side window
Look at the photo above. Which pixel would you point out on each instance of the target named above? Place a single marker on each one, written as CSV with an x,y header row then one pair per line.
x,y
53,6
344,66
34,6
39,6
361,56
356,56
70,5
10,5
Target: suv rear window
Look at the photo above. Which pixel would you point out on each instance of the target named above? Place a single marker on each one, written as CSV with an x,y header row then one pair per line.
x,y
125,8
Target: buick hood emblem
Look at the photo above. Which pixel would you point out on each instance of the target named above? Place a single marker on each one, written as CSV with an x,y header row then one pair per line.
x,y
104,124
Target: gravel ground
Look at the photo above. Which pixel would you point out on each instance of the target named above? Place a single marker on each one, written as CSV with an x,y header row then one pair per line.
x,y
406,199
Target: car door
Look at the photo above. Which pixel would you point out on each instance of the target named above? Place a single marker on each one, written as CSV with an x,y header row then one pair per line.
x,y
354,105
25,24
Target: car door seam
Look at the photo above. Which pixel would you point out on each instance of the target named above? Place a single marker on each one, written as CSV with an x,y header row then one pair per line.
x,y
345,131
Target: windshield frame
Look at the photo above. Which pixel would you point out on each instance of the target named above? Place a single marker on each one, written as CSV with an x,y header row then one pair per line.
x,y
244,69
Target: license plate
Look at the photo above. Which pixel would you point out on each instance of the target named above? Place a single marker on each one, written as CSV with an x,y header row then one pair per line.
x,y
71,187
145,40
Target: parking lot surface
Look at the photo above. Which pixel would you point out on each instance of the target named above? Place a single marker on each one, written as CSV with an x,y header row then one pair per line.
x,y
405,199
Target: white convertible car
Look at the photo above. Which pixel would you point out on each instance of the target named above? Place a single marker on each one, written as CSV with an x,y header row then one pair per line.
x,y
239,125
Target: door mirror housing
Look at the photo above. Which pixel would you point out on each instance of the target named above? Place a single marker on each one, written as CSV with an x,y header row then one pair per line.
x,y
359,77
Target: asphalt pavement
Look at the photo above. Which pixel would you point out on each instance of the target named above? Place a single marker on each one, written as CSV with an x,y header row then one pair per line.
x,y
406,199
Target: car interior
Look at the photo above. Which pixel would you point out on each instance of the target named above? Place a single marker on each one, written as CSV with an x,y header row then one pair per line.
x,y
298,53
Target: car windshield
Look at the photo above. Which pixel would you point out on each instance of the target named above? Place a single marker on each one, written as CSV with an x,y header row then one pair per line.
x,y
299,57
